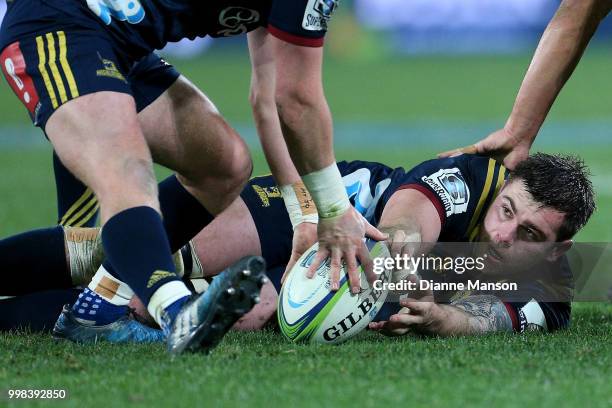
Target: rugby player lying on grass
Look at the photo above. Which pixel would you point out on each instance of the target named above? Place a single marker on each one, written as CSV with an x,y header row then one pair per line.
x,y
526,219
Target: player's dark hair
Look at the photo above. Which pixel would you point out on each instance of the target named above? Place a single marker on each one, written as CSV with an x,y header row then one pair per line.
x,y
562,183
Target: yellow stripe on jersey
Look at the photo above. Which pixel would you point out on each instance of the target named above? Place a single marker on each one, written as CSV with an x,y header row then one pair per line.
x,y
474,233
74,91
500,181
90,214
59,83
85,196
483,196
42,60
91,203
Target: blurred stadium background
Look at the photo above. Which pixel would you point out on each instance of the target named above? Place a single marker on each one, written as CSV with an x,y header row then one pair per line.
x,y
405,79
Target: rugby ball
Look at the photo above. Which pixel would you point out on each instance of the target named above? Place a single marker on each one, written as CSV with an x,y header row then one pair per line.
x,y
309,311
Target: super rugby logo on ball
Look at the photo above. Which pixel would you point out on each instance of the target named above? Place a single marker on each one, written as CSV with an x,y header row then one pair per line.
x,y
309,311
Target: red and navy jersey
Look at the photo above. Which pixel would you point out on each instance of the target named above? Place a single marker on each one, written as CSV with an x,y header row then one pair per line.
x,y
460,188
145,25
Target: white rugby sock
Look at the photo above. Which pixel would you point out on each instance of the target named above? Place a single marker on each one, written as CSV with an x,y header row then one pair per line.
x,y
166,295
110,288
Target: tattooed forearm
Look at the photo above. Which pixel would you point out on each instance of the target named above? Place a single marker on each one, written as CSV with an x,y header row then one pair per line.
x,y
486,313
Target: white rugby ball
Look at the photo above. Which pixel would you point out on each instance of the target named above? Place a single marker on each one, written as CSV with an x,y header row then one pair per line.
x,y
309,311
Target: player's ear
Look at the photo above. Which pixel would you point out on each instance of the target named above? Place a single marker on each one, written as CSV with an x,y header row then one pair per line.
x,y
559,249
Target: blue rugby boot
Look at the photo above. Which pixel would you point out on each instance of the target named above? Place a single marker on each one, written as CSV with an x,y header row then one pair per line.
x,y
206,318
124,330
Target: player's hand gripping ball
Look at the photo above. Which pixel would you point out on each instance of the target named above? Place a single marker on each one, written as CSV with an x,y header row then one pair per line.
x,y
309,311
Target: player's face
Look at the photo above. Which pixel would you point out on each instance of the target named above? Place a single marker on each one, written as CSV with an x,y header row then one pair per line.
x,y
519,232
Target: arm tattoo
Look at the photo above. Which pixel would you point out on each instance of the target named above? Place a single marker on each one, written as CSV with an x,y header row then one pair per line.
x,y
486,313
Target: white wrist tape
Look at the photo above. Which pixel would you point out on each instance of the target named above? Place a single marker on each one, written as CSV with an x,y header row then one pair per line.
x,y
299,203
328,191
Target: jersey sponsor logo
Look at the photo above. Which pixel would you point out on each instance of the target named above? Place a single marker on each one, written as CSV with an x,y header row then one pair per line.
x,y
122,10
14,70
237,20
317,14
357,186
452,189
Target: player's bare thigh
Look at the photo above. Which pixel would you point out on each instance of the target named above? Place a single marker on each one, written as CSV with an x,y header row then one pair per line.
x,y
229,237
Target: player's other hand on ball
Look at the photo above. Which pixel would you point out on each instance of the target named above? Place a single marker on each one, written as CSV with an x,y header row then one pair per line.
x,y
500,145
419,314
304,236
341,238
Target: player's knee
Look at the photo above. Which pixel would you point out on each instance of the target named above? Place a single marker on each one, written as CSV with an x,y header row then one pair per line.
x,y
231,170
241,165
235,164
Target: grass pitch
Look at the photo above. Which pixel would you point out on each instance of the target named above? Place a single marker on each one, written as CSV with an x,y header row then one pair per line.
x,y
459,98
569,368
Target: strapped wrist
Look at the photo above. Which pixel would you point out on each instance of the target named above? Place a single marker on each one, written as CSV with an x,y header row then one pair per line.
x,y
328,191
299,204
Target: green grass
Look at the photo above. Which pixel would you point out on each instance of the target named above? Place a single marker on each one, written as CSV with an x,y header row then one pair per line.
x,y
567,368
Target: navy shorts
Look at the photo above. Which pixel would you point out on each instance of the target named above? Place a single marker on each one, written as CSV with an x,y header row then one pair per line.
x,y
265,203
48,59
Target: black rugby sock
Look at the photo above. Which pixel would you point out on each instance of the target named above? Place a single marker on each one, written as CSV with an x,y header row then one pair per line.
x,y
137,247
34,261
35,311
183,214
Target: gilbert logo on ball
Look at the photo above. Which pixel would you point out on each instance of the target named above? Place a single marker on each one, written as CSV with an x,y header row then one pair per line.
x,y
309,311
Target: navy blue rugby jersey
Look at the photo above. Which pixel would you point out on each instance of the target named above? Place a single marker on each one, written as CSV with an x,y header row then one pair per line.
x,y
144,25
461,188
